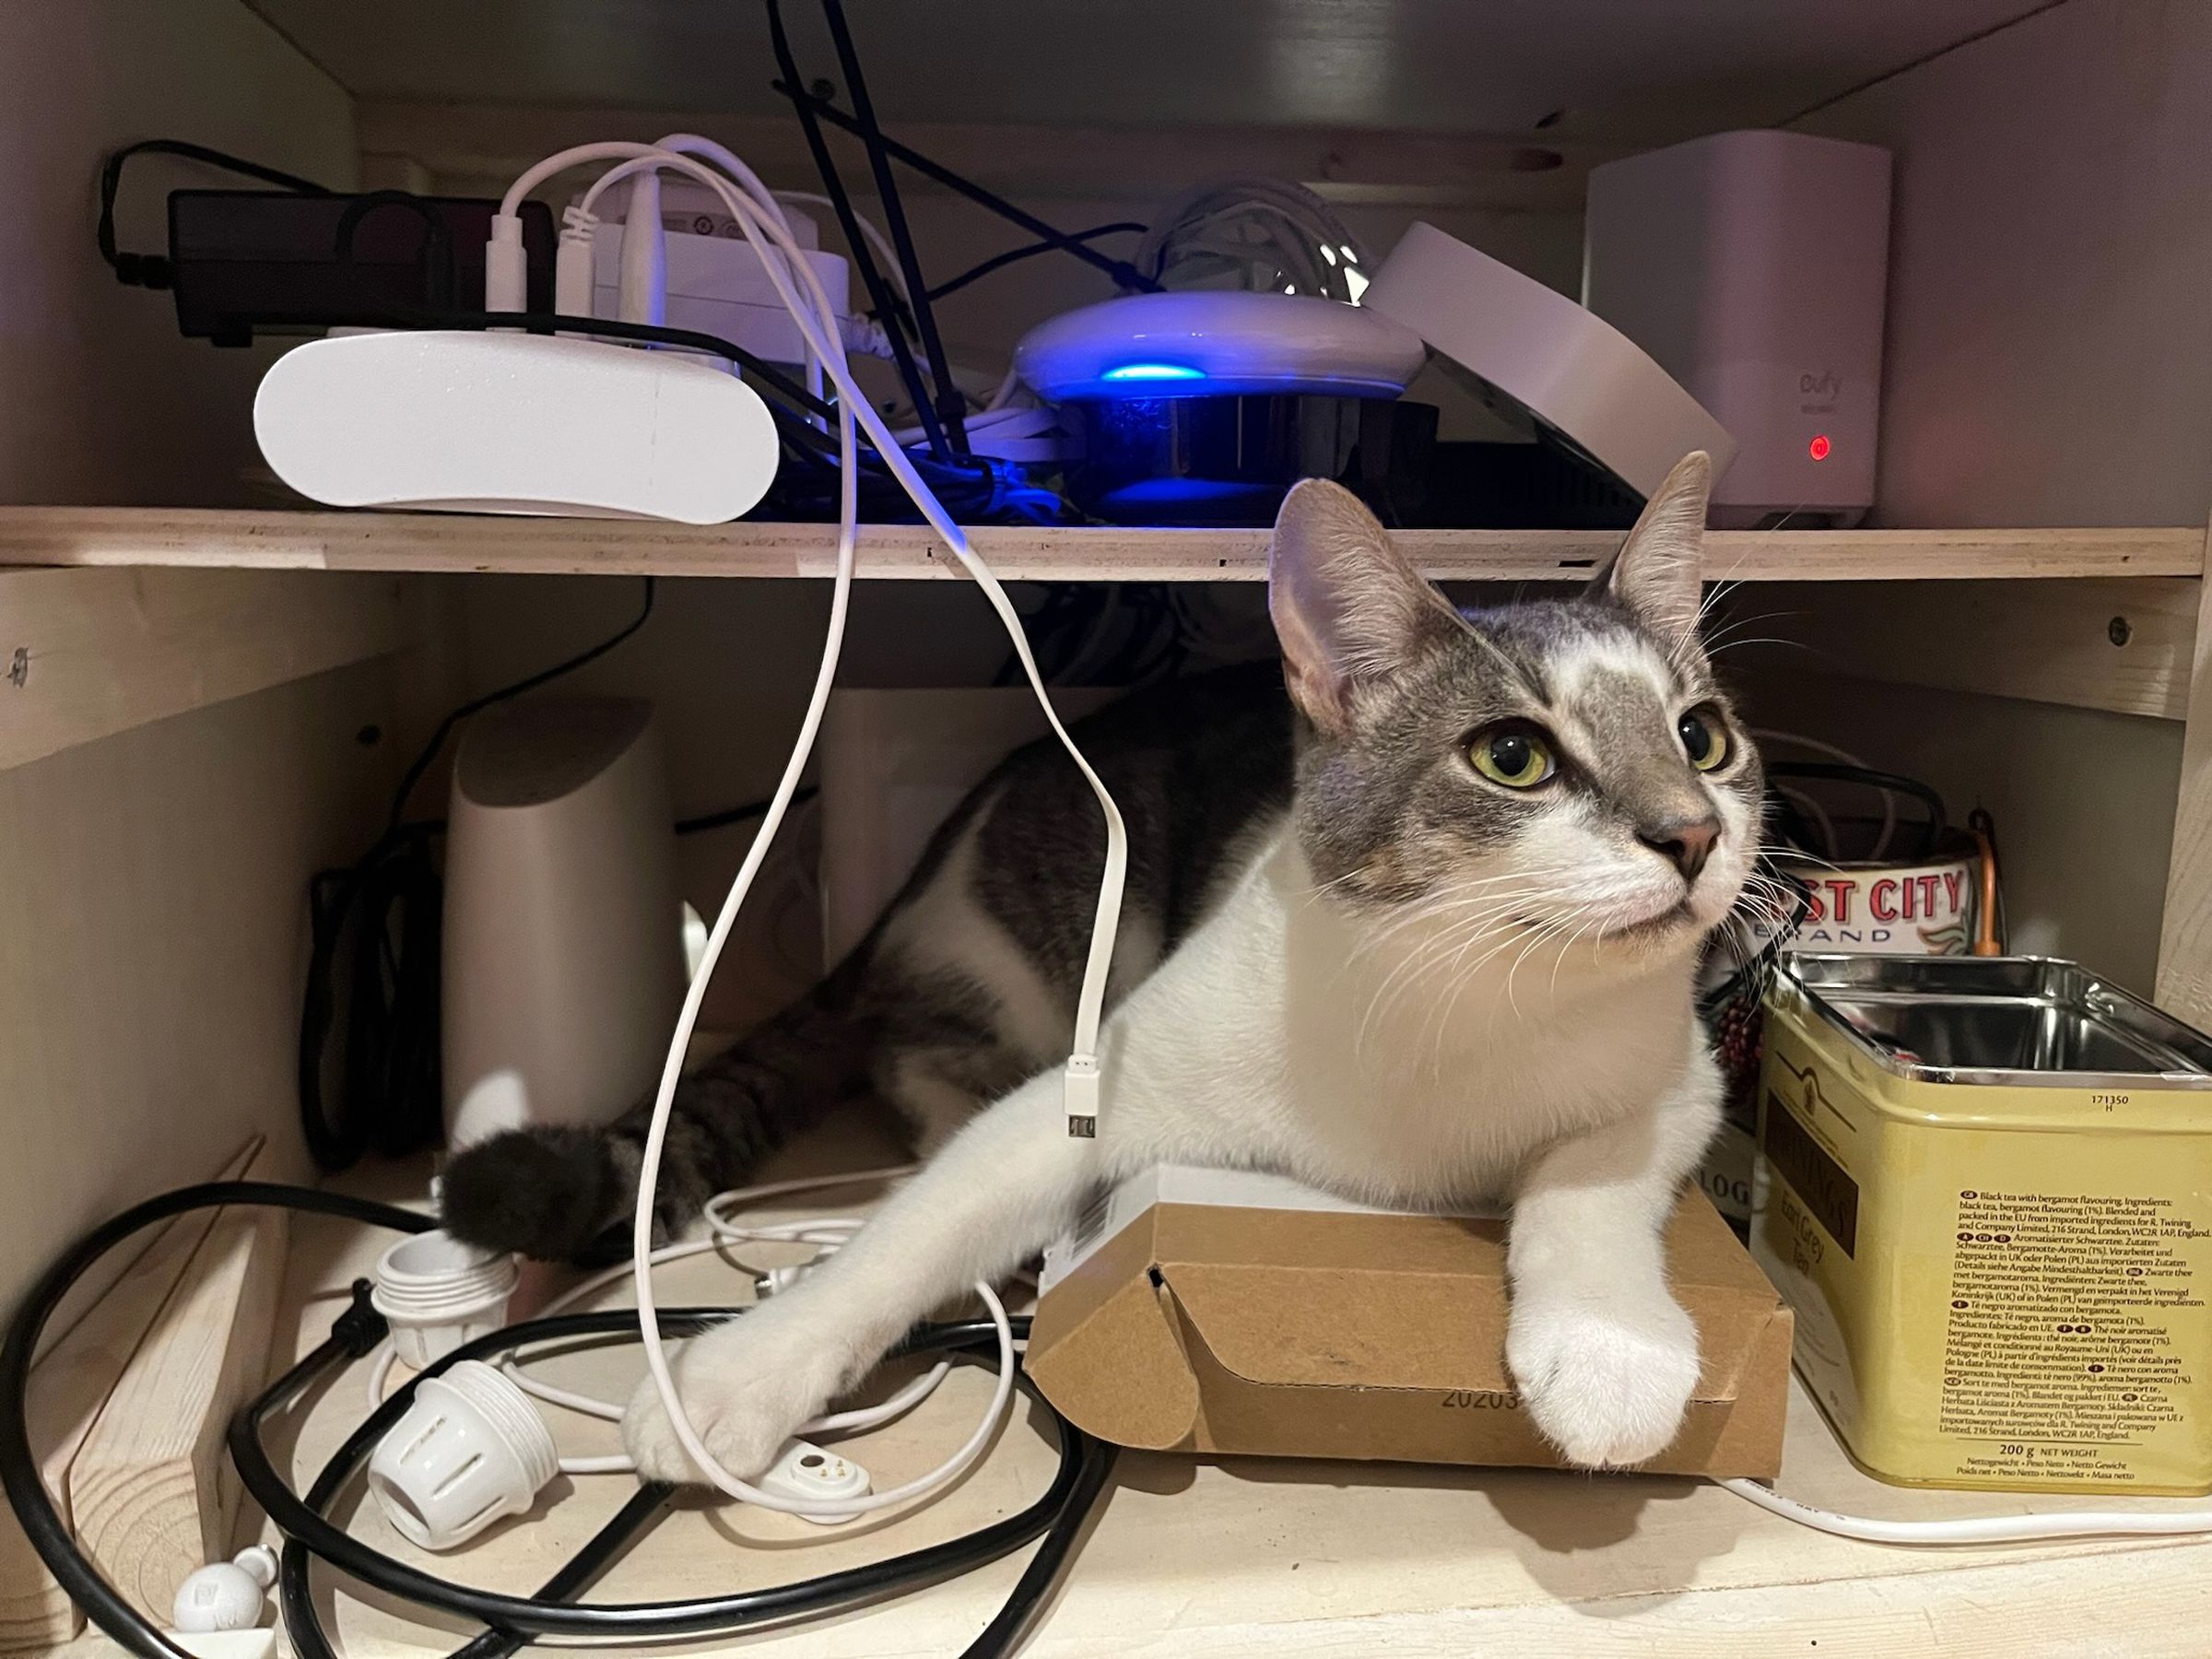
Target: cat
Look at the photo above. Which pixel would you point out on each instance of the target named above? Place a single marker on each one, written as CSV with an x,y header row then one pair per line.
x,y
1425,933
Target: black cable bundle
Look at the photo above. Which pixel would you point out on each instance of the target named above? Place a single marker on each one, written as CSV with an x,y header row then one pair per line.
x,y
1058,1515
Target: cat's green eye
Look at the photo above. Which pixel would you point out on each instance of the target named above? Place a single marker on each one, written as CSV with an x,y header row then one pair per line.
x,y
1704,738
1513,754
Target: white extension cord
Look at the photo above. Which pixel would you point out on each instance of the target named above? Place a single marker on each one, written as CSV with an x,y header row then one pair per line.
x,y
754,209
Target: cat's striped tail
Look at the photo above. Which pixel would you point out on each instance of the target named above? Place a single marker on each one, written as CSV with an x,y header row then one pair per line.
x,y
566,1194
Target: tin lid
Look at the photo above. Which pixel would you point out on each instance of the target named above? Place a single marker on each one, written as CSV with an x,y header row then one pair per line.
x,y
2016,1021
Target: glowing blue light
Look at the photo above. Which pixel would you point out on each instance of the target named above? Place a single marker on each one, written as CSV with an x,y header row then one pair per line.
x,y
1153,372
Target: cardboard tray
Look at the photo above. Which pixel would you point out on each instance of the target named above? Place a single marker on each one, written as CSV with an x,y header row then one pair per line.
x,y
1220,1311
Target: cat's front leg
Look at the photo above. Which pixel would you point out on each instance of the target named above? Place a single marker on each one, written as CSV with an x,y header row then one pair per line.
x,y
1604,1356
999,1191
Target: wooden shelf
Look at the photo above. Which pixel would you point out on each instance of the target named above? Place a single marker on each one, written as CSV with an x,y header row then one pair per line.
x,y
457,542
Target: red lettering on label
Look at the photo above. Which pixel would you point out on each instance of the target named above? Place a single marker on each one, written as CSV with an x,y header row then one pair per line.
x,y
1814,911
1881,899
1952,881
1906,888
1926,883
1838,891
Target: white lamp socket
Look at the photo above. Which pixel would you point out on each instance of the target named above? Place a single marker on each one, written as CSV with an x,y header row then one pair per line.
x,y
471,1450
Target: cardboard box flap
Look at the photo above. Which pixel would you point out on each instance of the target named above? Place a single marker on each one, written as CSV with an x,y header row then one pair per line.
x,y
1106,1351
1410,1302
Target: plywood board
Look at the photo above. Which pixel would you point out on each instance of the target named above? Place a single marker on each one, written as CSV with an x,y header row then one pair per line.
x,y
458,542
87,653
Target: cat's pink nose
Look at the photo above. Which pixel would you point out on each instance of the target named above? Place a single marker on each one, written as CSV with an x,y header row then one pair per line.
x,y
1686,843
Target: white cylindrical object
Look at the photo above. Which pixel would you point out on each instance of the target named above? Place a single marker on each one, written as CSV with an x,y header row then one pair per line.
x,y
644,289
563,934
470,1451
506,265
437,1293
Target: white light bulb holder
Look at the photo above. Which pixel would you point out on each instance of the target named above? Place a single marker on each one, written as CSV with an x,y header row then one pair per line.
x,y
225,1595
437,1293
471,1450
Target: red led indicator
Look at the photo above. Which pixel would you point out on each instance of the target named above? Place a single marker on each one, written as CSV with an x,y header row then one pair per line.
x,y
1817,449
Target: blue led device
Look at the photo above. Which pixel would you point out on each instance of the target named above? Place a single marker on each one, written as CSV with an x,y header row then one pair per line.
x,y
1153,372
1224,343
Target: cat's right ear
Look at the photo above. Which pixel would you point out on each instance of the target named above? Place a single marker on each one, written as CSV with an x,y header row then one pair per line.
x,y
1347,607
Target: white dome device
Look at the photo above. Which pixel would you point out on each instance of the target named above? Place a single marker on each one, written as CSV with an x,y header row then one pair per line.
x,y
1536,356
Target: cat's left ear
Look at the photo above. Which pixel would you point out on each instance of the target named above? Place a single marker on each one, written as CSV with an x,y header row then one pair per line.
x,y
1660,569
1347,607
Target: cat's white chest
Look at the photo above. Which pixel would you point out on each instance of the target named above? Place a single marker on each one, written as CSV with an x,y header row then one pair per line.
x,y
1285,1035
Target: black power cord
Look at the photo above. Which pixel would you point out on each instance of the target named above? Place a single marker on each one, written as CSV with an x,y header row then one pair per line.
x,y
386,906
951,404
879,292
154,270
998,262
1125,275
1057,1514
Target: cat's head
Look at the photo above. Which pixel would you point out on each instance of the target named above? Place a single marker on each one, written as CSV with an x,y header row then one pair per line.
x,y
1559,770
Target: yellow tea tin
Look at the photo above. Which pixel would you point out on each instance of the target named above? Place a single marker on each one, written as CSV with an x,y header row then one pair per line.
x,y
1986,1191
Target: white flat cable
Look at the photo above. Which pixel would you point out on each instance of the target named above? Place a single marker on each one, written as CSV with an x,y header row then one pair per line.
x,y
1979,1529
761,221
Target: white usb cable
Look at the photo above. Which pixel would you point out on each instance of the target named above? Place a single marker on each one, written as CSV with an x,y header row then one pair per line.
x,y
756,212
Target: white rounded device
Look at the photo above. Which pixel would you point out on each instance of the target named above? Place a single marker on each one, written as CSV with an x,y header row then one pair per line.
x,y
1208,343
1551,359
521,423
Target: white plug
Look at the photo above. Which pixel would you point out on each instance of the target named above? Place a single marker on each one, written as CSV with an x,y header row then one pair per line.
x,y
807,1471
226,1595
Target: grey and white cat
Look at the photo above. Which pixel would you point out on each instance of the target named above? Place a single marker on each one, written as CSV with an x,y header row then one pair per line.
x,y
1429,938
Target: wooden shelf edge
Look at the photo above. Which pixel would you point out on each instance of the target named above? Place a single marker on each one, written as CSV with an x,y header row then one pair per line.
x,y
461,543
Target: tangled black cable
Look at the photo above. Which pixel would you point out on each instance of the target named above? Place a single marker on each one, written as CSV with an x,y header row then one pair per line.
x,y
1057,1515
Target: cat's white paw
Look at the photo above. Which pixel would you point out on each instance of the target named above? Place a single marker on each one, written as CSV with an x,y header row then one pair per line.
x,y
748,1387
1606,1378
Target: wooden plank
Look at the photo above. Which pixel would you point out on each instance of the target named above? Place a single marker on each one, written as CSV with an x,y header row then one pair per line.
x,y
2185,929
2093,643
70,1388
463,543
87,653
152,1496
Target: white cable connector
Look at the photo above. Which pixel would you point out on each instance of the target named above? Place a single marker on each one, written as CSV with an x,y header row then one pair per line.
x,y
1080,1095
805,1474
506,263
574,262
641,295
